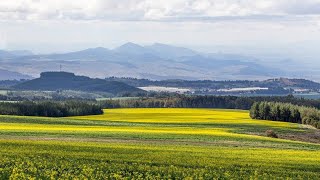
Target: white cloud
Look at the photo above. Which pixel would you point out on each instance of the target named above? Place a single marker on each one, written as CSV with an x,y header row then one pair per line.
x,y
74,24
152,10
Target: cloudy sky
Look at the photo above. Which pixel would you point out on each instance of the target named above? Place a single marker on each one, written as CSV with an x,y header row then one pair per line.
x,y
63,25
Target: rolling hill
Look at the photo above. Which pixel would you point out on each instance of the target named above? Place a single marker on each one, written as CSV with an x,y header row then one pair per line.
x,y
14,54
10,75
52,81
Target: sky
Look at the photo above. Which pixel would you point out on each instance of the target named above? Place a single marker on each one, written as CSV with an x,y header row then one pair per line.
x,y
45,26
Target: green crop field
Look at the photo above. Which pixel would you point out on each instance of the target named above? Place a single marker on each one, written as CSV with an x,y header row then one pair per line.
x,y
156,144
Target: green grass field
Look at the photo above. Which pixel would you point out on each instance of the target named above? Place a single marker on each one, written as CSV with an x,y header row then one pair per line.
x,y
155,144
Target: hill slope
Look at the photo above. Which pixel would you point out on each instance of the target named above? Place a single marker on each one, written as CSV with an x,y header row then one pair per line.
x,y
12,54
10,75
53,81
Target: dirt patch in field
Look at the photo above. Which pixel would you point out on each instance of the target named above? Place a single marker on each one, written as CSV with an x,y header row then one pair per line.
x,y
312,136
308,134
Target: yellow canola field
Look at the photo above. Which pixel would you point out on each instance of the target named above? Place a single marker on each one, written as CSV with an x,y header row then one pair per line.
x,y
153,144
137,130
157,122
181,115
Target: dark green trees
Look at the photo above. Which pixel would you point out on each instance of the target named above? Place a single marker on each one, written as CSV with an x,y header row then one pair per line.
x,y
227,102
285,112
50,108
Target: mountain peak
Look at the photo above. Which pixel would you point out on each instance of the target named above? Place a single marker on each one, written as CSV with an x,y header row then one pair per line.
x,y
97,49
171,52
131,48
129,45
161,44
93,51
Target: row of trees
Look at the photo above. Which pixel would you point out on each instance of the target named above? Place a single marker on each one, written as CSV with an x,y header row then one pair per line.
x,y
286,112
184,101
50,108
228,102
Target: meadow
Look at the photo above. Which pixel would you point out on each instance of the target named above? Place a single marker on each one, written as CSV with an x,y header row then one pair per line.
x,y
155,144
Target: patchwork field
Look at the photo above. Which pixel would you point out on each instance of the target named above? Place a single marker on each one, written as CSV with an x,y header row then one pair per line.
x,y
156,144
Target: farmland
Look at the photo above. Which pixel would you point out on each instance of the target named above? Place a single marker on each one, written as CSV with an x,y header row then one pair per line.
x,y
155,144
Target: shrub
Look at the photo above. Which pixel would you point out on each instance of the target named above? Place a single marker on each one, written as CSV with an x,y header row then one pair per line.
x,y
306,120
318,125
271,133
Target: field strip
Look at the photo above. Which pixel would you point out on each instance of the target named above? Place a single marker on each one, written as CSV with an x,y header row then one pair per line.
x,y
154,136
291,156
182,116
182,142
215,132
125,140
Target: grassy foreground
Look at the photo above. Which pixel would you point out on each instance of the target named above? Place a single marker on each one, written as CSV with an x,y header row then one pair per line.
x,y
154,144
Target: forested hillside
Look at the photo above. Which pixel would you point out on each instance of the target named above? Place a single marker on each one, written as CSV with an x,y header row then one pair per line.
x,y
184,101
278,82
286,112
53,81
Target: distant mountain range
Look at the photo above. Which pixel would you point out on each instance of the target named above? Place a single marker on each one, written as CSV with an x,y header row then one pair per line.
x,y
157,61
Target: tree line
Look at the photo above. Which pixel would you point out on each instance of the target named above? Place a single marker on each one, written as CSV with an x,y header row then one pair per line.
x,y
286,112
50,108
199,84
185,101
